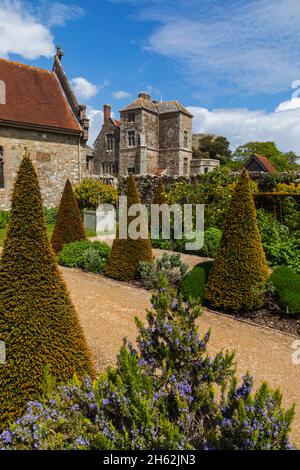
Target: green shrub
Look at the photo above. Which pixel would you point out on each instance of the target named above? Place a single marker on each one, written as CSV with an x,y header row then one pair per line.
x,y
212,239
240,272
68,226
192,285
163,244
281,246
4,219
287,286
126,254
50,214
169,265
38,322
91,192
73,255
93,262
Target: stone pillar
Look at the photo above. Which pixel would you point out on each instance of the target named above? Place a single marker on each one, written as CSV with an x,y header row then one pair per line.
x,y
143,155
106,112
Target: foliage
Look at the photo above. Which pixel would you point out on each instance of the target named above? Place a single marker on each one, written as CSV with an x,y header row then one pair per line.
x,y
287,286
4,219
85,254
192,285
288,188
168,394
126,254
212,239
169,265
160,193
281,247
281,161
91,192
253,422
215,147
69,226
38,322
163,244
50,214
240,272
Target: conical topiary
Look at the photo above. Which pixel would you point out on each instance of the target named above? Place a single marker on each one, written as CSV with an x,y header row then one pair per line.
x,y
126,254
38,322
240,270
69,226
159,195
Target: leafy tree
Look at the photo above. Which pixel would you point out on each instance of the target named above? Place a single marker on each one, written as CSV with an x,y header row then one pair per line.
x,y
160,196
68,226
213,147
91,192
240,272
126,254
281,161
38,322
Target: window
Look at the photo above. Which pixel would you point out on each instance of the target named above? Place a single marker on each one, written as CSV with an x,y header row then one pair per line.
x,y
206,169
89,163
131,117
186,139
2,92
131,138
1,168
110,141
186,166
130,170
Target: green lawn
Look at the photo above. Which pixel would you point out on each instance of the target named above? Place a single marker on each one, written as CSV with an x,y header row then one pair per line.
x,y
50,228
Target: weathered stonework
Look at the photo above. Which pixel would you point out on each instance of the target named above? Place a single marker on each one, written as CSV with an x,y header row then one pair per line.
x,y
56,157
162,139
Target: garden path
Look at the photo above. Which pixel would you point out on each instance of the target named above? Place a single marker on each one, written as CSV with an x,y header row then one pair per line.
x,y
107,309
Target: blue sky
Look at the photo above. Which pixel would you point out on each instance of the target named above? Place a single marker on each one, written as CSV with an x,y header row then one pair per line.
x,y
234,63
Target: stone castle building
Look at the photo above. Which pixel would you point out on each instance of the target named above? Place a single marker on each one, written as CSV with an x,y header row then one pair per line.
x,y
150,138
39,111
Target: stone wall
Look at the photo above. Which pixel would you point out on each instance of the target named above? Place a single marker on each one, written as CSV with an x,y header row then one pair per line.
x,y
55,156
107,161
147,184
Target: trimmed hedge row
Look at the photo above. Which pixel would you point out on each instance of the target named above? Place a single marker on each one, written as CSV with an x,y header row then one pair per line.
x,y
287,286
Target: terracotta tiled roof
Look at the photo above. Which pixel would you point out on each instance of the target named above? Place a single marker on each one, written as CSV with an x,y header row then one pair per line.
x,y
116,122
35,97
265,162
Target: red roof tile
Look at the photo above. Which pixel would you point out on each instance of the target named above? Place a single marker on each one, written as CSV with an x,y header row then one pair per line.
x,y
265,162
34,97
117,123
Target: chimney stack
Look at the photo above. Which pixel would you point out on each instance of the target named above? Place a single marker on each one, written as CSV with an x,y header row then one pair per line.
x,y
106,112
145,96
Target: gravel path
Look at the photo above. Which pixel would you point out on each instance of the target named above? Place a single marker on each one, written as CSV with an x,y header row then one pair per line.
x,y
107,309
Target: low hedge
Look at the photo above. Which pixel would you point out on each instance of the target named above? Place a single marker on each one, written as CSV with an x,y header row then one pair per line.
x,y
84,254
192,285
287,286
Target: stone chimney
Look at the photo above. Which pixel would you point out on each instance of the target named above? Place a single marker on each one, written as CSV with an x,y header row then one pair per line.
x,y
106,112
145,96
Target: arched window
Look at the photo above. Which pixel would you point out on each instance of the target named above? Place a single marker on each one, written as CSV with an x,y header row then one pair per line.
x,y
2,92
1,168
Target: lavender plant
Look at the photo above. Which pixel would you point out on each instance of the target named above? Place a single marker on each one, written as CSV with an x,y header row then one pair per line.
x,y
169,393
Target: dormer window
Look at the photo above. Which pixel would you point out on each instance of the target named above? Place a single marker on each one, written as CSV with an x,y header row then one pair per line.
x,y
1,168
131,117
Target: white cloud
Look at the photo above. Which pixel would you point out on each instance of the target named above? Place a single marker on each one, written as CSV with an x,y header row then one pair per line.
x,y
247,46
23,34
294,103
26,29
120,95
83,88
96,121
241,126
